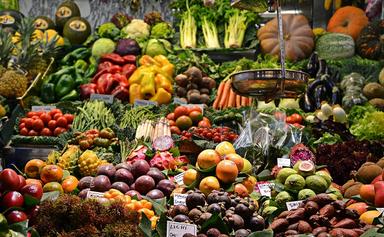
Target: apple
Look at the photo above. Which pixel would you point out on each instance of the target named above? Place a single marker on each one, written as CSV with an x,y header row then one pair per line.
x,y
12,199
32,194
22,182
32,213
10,179
16,216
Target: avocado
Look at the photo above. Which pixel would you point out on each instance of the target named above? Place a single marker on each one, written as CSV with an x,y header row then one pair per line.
x,y
77,30
64,12
44,23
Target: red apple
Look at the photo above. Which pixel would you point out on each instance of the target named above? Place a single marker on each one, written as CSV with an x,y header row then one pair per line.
x,y
32,194
16,216
22,182
12,199
32,213
10,179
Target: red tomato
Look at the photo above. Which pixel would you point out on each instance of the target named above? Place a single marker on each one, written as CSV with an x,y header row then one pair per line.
x,y
38,113
297,118
52,124
33,133
23,120
21,125
290,120
29,123
195,108
45,117
279,115
38,124
24,131
35,117
61,122
54,111
46,132
175,130
58,131
57,115
171,116
206,119
298,125
171,123
69,118
31,114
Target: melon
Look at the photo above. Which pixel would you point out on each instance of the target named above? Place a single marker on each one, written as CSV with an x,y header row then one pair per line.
x,y
335,46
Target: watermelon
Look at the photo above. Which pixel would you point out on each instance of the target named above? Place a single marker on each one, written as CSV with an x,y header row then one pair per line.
x,y
335,46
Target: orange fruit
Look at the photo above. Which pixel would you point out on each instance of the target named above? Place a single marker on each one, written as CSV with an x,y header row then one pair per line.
x,y
51,173
69,184
225,148
360,207
204,124
33,168
208,184
241,190
369,216
227,171
189,176
196,116
184,122
34,181
208,158
367,192
53,186
180,111
237,159
250,183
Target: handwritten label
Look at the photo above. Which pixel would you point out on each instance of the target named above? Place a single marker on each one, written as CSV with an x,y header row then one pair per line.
x,y
293,205
179,101
180,199
179,178
46,108
380,209
175,229
265,189
108,99
192,105
283,162
144,103
94,195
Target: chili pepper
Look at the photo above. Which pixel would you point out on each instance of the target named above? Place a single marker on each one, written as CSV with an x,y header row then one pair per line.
x,y
113,69
64,71
87,90
81,66
148,88
104,65
93,60
105,83
163,82
71,96
48,92
91,70
162,96
65,84
121,93
134,93
107,133
113,58
131,59
128,70
103,142
79,53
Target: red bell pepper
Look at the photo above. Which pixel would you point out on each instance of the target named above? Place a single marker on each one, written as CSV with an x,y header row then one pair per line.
x,y
131,59
113,58
113,69
120,78
86,90
128,70
105,84
104,65
121,93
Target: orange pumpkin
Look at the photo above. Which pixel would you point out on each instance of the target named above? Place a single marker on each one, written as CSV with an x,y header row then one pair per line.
x,y
348,20
298,37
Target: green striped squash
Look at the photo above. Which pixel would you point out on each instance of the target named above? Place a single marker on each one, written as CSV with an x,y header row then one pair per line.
x,y
335,46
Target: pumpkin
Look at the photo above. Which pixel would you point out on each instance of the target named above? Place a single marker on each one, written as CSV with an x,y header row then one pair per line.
x,y
348,20
298,37
335,46
370,43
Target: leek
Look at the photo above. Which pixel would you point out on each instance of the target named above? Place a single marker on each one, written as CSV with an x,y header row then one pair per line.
x,y
210,34
188,30
235,30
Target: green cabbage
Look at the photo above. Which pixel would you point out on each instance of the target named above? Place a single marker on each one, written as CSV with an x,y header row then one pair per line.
x,y
162,30
108,30
103,46
157,46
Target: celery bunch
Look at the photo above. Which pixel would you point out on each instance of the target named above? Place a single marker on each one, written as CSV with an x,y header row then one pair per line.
x,y
211,37
188,30
235,29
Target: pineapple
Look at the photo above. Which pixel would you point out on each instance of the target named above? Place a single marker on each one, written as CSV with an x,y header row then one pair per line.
x,y
68,161
88,163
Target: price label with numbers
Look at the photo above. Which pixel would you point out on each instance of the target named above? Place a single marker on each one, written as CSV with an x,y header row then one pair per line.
x,y
264,189
293,205
179,178
176,229
46,108
108,99
94,195
179,101
283,162
180,199
144,103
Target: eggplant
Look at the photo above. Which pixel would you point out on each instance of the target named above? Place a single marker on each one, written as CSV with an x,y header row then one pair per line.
x,y
320,95
313,64
311,88
336,96
306,104
335,77
323,69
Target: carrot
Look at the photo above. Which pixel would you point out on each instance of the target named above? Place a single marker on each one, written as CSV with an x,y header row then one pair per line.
x,y
232,99
238,101
225,95
243,101
218,95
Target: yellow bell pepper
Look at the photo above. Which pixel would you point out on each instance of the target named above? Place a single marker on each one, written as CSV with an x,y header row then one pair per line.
x,y
163,82
162,97
161,59
149,61
148,86
134,93
168,69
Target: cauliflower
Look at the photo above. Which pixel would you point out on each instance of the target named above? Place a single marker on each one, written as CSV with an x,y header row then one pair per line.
x,y
162,30
137,30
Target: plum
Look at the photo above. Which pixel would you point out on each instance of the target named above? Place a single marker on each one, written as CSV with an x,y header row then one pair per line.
x,y
155,194
106,169
156,174
121,186
124,175
144,184
101,183
16,216
139,168
85,182
166,186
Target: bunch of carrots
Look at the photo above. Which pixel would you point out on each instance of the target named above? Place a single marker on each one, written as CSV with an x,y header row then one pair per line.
x,y
227,98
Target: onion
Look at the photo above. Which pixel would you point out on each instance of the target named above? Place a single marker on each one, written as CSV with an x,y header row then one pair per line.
x,y
339,114
320,115
326,109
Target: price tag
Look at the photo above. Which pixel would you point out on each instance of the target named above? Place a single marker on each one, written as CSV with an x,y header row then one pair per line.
x,y
265,189
180,199
176,229
283,162
179,178
144,103
179,101
94,195
293,205
46,108
192,105
108,99
380,209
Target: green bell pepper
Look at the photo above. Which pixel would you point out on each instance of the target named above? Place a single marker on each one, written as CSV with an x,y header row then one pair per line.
x,y
80,79
64,85
71,57
48,92
81,66
64,71
71,96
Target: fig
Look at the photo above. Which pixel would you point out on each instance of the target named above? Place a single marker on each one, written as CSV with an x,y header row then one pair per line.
x,y
124,166
213,232
257,223
195,199
106,169
166,186
214,208
85,182
178,209
144,184
242,233
83,193
156,174
181,218
139,168
133,193
101,183
121,186
123,175
181,92
194,214
155,194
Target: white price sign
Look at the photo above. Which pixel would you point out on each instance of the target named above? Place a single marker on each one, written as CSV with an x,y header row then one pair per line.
x,y
293,205
144,103
179,101
94,195
180,199
283,162
46,108
108,99
179,178
175,229
264,189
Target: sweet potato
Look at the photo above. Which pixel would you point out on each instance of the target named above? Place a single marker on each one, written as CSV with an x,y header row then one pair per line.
x,y
321,199
304,227
311,207
359,231
341,232
290,232
296,215
279,224
318,230
338,204
293,226
346,223
284,214
327,211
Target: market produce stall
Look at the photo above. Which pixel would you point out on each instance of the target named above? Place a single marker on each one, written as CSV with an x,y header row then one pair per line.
x,y
227,121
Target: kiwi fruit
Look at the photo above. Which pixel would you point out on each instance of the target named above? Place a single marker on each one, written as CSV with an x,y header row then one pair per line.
x,y
368,172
